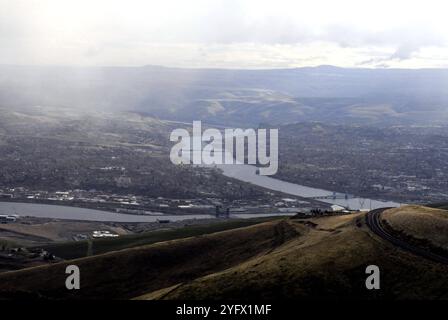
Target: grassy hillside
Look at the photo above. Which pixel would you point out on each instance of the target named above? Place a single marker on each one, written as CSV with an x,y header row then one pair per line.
x,y
328,263
73,250
439,205
422,223
320,258
324,93
132,272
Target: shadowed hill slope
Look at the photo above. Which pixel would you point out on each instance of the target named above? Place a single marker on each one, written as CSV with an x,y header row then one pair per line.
x,y
328,263
132,272
319,258
421,224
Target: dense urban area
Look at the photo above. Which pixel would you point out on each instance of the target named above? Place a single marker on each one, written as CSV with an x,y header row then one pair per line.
x,y
93,158
399,163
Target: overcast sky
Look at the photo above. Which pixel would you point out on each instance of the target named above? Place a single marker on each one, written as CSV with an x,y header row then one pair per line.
x,y
225,33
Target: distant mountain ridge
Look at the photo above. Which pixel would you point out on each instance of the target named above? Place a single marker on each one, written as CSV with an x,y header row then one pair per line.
x,y
243,97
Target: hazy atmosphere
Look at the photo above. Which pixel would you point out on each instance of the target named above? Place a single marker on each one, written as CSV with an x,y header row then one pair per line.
x,y
243,151
224,34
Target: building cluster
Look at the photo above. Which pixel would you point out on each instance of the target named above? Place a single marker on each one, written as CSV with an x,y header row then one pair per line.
x,y
142,205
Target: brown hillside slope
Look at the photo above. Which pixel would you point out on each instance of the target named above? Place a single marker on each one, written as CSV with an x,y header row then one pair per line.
x,y
328,263
132,272
421,223
321,258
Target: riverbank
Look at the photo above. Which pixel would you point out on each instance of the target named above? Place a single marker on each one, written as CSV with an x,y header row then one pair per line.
x,y
83,214
248,173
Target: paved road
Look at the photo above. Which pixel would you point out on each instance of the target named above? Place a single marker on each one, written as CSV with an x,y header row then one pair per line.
x,y
374,223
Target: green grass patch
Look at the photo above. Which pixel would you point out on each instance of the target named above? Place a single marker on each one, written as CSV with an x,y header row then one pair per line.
x,y
79,249
7,244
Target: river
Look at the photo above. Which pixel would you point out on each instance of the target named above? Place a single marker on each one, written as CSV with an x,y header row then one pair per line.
x,y
83,214
242,172
247,173
75,213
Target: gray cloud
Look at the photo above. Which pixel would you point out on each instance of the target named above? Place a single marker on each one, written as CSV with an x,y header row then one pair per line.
x,y
404,51
120,32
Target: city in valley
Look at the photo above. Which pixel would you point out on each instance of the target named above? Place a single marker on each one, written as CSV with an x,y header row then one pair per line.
x,y
208,151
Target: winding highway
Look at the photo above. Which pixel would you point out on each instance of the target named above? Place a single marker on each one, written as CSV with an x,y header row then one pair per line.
x,y
373,220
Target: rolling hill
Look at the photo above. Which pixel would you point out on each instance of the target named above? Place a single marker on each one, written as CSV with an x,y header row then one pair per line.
x,y
237,97
421,223
319,258
132,272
